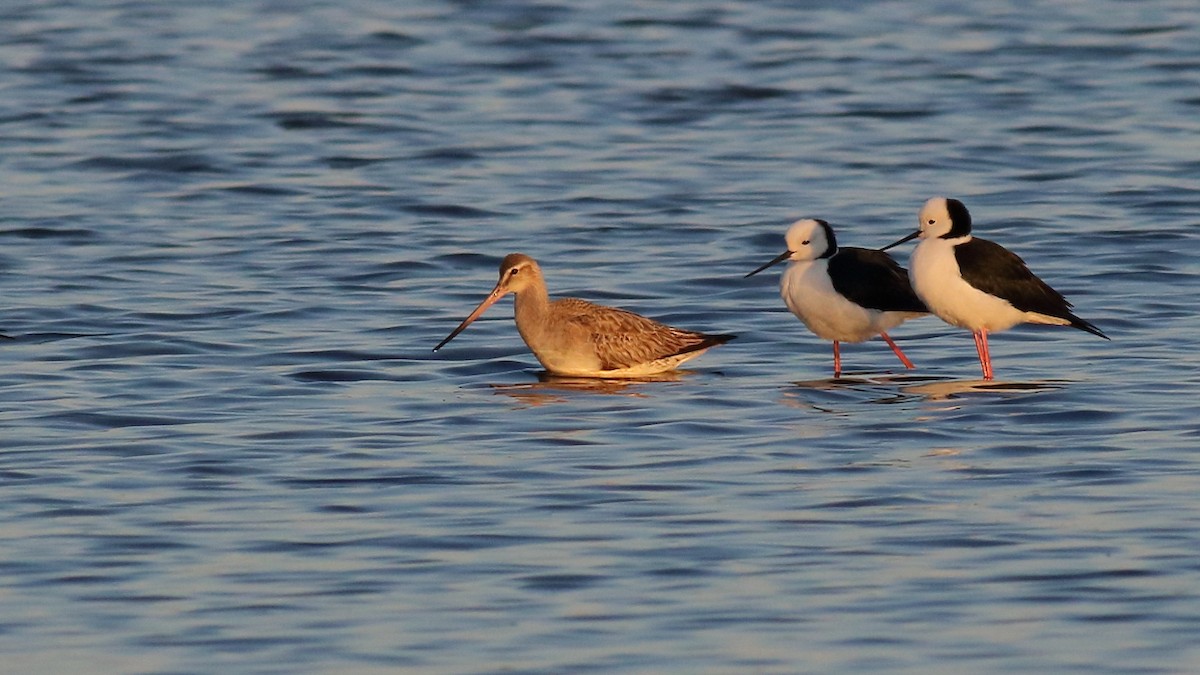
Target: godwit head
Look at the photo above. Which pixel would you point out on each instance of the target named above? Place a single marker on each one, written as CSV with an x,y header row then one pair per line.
x,y
517,273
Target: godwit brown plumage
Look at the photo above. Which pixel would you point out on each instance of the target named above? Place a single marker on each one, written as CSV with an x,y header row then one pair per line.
x,y
580,339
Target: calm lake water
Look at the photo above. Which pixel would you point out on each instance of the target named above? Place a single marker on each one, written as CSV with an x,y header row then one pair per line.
x,y
233,231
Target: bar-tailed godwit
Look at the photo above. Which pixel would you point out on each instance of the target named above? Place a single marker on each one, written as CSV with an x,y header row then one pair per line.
x,y
843,294
977,284
577,338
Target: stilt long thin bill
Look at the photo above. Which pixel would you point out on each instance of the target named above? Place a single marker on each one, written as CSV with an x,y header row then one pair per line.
x,y
778,259
492,297
910,237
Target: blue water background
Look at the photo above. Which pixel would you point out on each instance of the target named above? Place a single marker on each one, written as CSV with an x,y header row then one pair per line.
x,y
231,232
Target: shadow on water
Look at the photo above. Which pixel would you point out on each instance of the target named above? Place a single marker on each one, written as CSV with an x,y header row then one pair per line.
x,y
41,337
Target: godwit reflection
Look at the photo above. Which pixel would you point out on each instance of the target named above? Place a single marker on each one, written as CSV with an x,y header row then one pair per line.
x,y
557,388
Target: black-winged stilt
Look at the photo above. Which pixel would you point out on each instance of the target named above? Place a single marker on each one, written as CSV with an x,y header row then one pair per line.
x,y
977,284
843,294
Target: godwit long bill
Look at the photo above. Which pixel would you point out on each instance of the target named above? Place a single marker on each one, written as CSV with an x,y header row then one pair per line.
x,y
577,338
977,284
843,294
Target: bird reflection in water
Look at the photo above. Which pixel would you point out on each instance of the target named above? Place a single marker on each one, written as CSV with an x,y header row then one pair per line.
x,y
552,388
947,389
832,395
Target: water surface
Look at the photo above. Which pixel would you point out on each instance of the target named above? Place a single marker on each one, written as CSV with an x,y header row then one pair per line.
x,y
232,232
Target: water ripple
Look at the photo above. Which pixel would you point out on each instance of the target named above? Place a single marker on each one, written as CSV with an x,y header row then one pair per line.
x,y
233,235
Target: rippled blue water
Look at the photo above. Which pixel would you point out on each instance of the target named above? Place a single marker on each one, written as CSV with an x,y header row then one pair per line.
x,y
232,231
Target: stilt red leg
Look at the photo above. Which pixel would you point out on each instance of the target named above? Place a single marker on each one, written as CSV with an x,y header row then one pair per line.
x,y
837,360
903,359
985,358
